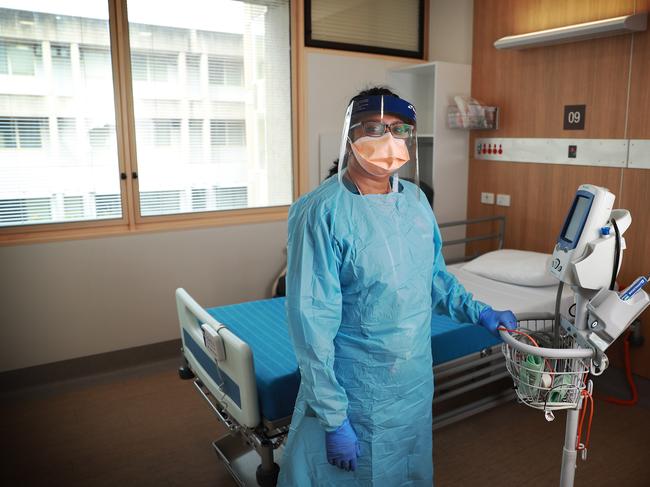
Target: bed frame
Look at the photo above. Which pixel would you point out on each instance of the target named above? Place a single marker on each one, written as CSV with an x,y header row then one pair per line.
x,y
252,443
499,236
240,415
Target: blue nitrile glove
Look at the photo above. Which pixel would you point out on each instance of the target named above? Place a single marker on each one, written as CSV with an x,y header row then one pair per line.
x,y
342,447
491,320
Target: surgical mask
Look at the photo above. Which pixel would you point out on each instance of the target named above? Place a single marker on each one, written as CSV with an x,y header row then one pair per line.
x,y
380,156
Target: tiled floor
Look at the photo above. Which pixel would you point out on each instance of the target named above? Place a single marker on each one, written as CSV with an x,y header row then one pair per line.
x,y
146,427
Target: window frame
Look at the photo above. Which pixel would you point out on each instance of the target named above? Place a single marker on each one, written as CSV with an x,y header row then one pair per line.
x,y
131,220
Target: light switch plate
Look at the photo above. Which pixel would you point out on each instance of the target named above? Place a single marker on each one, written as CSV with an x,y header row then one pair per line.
x,y
487,198
503,199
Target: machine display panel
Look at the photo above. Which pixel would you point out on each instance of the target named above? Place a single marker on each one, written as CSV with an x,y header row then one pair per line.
x,y
576,219
572,231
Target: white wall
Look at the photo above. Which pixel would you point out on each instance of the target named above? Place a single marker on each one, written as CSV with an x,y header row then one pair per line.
x,y
451,26
76,298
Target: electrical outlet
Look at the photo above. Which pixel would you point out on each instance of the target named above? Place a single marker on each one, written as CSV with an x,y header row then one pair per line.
x,y
487,198
503,199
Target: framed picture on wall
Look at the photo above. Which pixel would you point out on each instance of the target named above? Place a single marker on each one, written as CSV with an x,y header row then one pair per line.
x,y
374,26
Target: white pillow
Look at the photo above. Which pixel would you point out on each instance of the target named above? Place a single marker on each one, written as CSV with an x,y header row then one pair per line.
x,y
519,267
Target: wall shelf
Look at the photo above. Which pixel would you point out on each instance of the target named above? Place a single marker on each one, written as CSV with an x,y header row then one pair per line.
x,y
626,24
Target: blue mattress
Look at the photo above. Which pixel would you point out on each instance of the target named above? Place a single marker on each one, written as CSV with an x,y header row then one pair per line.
x,y
263,325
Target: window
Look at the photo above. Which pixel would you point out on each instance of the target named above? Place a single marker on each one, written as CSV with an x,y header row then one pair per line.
x,y
158,67
193,69
230,198
61,64
22,132
49,171
166,132
194,149
226,71
108,206
199,199
73,207
99,137
196,140
95,63
227,132
30,132
209,119
8,133
160,202
25,210
20,58
67,131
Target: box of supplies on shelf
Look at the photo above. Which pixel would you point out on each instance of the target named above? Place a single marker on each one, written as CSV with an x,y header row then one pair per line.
x,y
468,113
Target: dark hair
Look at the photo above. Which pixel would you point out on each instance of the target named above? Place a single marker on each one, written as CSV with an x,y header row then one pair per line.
x,y
334,169
373,91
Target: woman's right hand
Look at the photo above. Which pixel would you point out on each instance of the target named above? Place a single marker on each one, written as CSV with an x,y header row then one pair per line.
x,y
342,447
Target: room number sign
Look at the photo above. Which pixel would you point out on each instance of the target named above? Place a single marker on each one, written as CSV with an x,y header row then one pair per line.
x,y
574,117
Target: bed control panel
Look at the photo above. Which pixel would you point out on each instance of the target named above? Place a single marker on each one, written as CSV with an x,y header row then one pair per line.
x,y
213,342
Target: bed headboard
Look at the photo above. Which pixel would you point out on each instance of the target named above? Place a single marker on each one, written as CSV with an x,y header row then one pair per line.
x,y
230,380
498,236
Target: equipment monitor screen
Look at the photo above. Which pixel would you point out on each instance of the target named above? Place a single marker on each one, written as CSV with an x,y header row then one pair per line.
x,y
578,216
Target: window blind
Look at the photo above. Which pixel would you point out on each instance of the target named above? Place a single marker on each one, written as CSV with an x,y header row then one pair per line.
x,y
58,155
380,26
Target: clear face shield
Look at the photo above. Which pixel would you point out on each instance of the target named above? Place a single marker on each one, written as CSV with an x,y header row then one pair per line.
x,y
379,141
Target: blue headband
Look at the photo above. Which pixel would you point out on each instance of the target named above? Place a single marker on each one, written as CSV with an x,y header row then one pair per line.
x,y
392,104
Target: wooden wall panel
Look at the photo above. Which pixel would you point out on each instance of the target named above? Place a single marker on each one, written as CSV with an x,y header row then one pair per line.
x,y
531,86
540,196
639,116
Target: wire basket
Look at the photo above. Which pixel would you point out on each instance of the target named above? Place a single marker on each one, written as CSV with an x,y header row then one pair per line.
x,y
545,378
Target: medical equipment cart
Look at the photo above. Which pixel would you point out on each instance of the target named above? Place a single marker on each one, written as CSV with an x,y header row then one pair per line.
x,y
551,356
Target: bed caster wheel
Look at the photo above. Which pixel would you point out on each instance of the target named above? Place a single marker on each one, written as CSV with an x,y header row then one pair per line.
x,y
185,373
267,479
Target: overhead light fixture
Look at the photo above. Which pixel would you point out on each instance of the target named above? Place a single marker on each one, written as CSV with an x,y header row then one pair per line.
x,y
625,24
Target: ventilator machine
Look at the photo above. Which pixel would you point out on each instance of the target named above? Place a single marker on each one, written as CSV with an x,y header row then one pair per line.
x,y
550,357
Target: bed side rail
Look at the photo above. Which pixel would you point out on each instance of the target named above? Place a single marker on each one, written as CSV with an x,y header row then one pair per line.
x,y
231,380
498,236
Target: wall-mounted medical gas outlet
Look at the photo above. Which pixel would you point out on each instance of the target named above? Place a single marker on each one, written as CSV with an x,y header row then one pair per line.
x,y
495,150
586,152
487,198
503,199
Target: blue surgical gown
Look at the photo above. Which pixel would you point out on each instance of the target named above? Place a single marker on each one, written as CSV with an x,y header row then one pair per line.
x,y
364,275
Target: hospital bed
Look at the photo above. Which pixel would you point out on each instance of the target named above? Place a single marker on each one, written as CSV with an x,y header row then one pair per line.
x,y
242,363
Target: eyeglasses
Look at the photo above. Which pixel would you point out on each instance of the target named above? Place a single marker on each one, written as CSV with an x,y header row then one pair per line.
x,y
400,130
